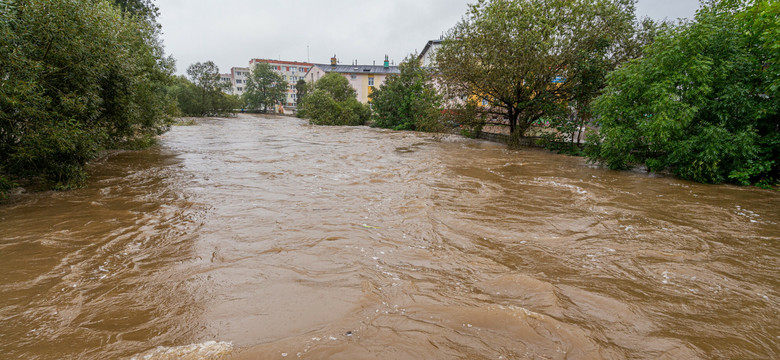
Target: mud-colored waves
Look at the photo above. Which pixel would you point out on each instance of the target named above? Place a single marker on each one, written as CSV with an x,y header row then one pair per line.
x,y
259,237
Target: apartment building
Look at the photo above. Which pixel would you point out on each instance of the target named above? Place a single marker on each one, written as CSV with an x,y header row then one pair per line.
x,y
291,72
238,76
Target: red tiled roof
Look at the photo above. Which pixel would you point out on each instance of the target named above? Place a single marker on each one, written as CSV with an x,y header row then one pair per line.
x,y
281,62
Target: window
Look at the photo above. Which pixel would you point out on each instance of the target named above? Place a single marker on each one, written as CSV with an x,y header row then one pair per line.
x,y
240,89
284,77
238,81
353,77
288,68
371,81
238,73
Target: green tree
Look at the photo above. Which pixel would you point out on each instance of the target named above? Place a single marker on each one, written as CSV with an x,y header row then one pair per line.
x,y
264,88
520,55
407,101
212,99
333,102
599,55
695,103
337,86
302,88
77,76
143,8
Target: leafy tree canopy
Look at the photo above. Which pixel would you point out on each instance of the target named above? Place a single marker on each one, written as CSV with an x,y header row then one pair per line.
x,y
142,8
204,93
407,101
333,102
302,88
336,85
77,77
265,88
700,102
522,56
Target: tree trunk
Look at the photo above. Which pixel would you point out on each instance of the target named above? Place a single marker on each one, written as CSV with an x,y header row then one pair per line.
x,y
512,120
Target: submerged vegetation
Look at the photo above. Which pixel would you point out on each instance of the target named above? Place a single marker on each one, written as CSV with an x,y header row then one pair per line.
x,y
702,102
332,101
408,100
77,76
203,93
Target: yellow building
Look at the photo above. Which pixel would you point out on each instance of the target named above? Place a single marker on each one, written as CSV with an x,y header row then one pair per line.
x,y
363,78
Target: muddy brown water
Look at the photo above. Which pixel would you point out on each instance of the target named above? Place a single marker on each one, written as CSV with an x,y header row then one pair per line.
x,y
258,237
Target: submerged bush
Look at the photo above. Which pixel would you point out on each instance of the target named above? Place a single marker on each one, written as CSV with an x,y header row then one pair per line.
x,y
77,76
333,102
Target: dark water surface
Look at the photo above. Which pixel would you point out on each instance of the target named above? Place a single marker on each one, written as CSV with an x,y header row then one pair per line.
x,y
262,237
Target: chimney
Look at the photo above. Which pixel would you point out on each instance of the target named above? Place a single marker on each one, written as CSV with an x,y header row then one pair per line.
x,y
333,60
387,62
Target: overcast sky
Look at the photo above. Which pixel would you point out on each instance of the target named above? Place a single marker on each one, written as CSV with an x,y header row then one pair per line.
x,y
231,32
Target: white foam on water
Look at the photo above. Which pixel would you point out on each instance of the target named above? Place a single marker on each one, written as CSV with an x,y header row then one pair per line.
x,y
202,351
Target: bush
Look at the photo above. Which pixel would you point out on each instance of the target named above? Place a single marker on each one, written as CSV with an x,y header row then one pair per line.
x,y
77,76
700,103
333,102
407,101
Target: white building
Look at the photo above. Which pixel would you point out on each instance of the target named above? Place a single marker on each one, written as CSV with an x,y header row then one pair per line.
x,y
238,76
426,57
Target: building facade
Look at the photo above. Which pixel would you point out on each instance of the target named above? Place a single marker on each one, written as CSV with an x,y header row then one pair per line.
x,y
291,72
426,57
238,76
363,78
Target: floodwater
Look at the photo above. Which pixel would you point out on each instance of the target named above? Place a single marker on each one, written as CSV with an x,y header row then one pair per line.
x,y
259,237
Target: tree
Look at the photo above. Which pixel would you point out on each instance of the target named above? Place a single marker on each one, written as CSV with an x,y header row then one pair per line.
x,y
519,55
600,54
696,103
302,88
333,102
77,76
337,86
210,90
142,8
264,88
407,101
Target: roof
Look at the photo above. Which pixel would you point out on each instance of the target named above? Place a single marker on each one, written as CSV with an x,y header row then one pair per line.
x,y
282,62
359,69
428,47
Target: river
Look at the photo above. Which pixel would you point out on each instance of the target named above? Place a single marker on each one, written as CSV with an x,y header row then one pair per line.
x,y
261,237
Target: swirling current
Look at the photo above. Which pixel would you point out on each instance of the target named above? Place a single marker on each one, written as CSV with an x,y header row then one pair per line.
x,y
265,237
